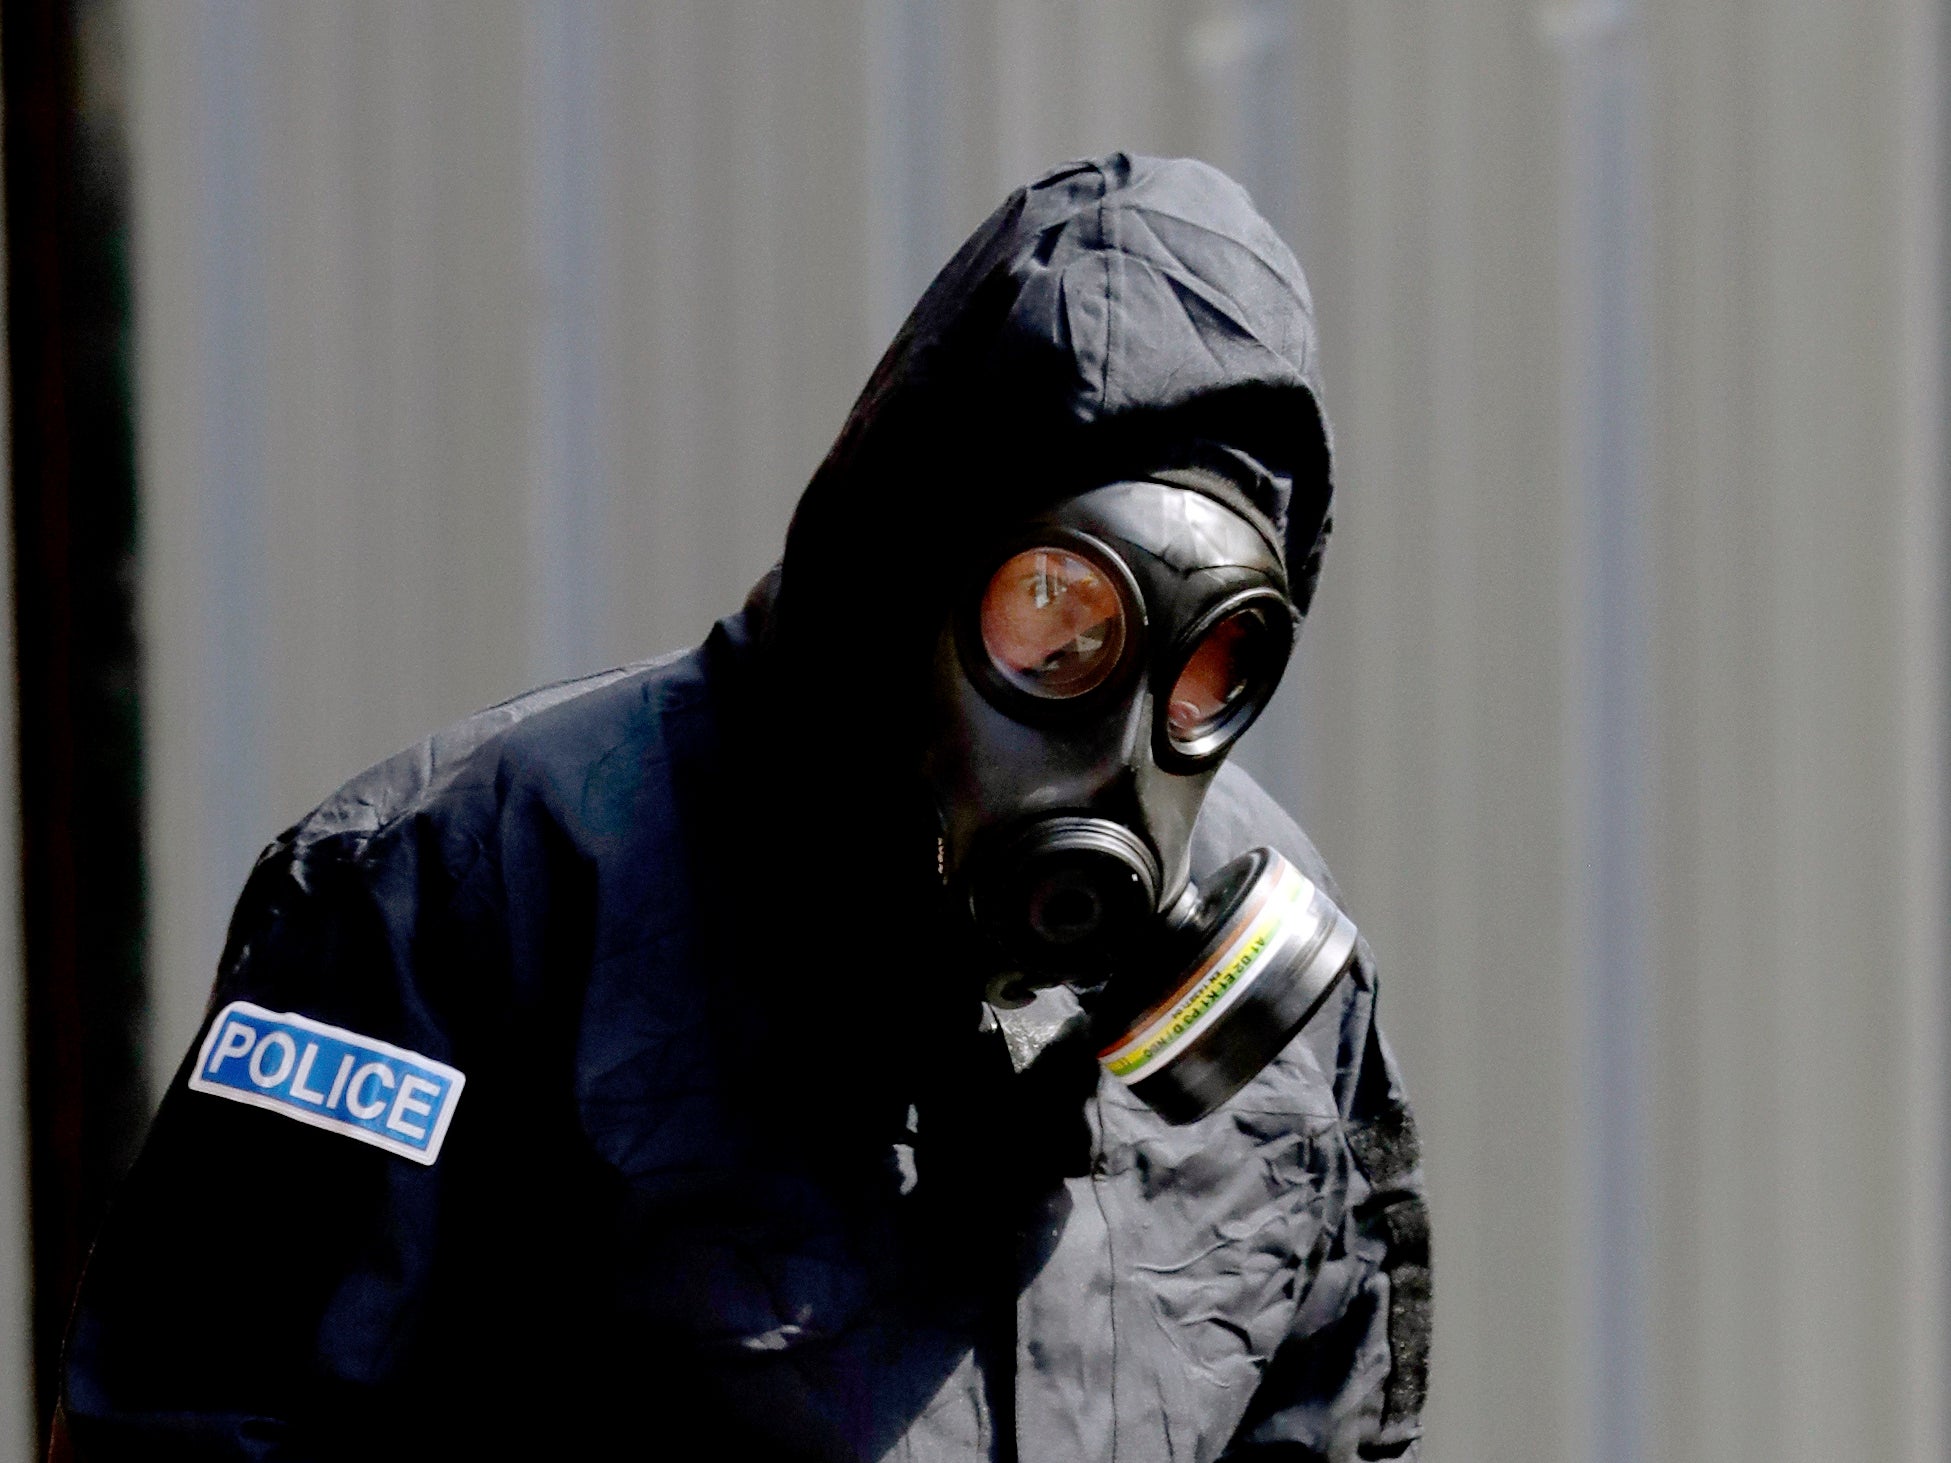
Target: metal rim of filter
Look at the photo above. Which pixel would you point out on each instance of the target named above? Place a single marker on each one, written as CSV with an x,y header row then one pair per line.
x,y
1310,944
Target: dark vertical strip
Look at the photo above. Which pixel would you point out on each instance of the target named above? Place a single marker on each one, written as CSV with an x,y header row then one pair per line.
x,y
68,344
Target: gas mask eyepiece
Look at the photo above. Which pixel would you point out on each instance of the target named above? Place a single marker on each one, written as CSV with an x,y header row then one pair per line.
x,y
1053,623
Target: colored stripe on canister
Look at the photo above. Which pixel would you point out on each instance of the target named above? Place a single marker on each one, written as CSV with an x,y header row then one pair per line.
x,y
1215,983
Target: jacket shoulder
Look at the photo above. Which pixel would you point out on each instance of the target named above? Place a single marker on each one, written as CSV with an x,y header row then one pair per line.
x,y
1239,814
532,746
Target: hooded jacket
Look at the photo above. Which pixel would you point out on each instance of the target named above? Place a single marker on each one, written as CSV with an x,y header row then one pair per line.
x,y
728,1159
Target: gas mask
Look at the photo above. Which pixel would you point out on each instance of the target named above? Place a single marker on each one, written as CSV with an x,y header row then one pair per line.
x,y
1095,670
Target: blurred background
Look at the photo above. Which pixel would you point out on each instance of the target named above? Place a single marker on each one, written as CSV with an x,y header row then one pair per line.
x,y
370,362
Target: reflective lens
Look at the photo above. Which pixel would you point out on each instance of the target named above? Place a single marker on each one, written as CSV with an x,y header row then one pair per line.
x,y
1223,671
1053,623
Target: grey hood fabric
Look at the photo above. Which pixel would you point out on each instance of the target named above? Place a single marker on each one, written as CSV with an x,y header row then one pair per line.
x,y
739,1169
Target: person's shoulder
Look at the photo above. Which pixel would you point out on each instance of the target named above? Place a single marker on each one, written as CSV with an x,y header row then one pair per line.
x,y
1239,814
493,818
537,749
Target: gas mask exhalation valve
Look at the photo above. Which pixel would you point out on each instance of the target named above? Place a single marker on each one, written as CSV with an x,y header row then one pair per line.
x,y
1068,891
1256,957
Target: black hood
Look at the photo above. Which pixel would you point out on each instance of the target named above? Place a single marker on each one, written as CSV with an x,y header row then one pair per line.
x,y
1113,318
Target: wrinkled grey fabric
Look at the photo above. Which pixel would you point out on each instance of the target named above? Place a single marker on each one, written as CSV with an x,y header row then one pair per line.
x,y
739,1169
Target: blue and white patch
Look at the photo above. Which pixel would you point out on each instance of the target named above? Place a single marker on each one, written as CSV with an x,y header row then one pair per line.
x,y
329,1077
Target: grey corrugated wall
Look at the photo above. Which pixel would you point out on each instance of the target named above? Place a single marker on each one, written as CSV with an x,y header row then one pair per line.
x,y
484,343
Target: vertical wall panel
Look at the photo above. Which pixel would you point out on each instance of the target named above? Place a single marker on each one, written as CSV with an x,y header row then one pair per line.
x,y
1439,669
1600,50
1708,1034
1798,673
1918,1286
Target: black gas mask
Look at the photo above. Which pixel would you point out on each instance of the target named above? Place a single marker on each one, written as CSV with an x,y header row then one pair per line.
x,y
1095,670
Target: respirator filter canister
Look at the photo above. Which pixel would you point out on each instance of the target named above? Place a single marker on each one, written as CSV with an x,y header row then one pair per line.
x,y
1267,947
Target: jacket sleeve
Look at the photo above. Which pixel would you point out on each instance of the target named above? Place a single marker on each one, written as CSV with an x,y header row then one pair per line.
x,y
1348,1382
267,1287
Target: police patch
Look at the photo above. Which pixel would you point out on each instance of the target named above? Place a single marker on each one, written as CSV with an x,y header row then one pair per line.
x,y
330,1078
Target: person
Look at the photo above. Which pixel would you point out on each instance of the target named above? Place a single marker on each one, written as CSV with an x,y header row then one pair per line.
x,y
703,1058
